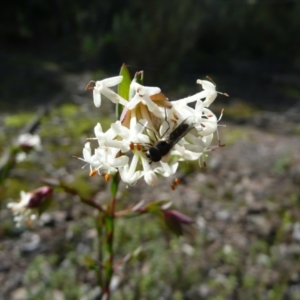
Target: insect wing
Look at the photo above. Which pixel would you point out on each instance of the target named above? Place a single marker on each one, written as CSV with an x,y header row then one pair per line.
x,y
179,132
163,147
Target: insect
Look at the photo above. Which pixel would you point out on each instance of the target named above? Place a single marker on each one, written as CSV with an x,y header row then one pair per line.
x,y
164,146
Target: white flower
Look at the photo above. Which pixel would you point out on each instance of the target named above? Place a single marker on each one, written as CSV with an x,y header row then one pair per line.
x,y
133,135
90,159
28,140
109,160
209,122
104,160
166,169
142,95
149,175
22,214
209,92
27,209
129,173
103,87
107,139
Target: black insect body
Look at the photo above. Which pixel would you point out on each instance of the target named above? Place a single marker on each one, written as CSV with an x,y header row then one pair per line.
x,y
163,147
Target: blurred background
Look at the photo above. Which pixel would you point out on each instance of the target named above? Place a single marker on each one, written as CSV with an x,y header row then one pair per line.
x,y
245,243
253,46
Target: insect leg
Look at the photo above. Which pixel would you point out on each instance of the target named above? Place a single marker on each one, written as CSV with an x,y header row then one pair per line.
x,y
150,130
167,123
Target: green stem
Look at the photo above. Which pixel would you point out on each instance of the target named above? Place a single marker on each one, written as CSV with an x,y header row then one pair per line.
x,y
99,226
109,264
109,218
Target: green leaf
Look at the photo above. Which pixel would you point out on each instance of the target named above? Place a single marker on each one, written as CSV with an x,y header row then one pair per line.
x,y
123,88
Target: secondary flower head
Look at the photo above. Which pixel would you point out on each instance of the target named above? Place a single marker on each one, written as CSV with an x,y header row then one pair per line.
x,y
28,141
27,209
25,143
153,134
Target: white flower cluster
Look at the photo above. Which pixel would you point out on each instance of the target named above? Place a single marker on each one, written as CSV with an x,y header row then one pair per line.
x,y
30,141
153,133
27,142
23,214
29,207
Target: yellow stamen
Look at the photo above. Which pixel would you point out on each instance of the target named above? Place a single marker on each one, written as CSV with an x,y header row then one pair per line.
x,y
131,146
92,173
177,181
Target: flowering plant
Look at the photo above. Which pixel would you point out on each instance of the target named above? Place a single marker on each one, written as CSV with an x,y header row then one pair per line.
x,y
149,140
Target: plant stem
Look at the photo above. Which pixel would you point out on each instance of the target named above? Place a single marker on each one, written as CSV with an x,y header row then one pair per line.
x,y
99,226
109,218
109,264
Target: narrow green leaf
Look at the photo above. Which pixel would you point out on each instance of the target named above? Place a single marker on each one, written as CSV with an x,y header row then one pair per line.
x,y
123,88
